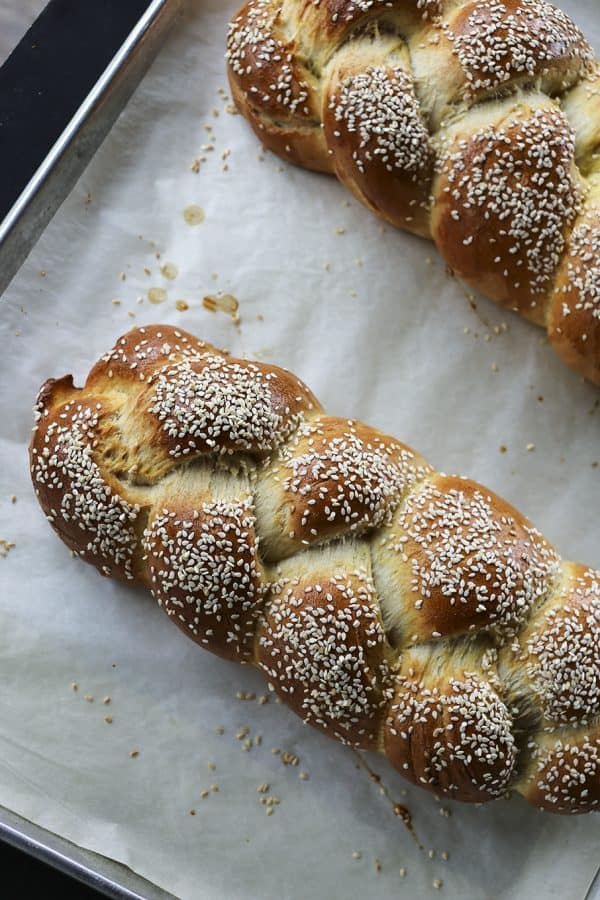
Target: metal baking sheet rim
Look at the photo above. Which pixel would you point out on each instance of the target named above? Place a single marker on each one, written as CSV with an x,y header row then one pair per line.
x,y
103,874
18,233
59,171
111,878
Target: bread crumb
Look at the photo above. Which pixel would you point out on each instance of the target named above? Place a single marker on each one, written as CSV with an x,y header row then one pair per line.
x,y
157,295
194,214
6,547
169,271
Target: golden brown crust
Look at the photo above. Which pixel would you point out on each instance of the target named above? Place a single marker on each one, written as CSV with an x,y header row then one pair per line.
x,y
138,354
462,560
447,730
82,502
555,660
445,119
273,90
412,612
191,400
206,573
380,142
574,320
265,65
322,647
335,477
563,775
505,200
301,146
213,404
513,41
328,24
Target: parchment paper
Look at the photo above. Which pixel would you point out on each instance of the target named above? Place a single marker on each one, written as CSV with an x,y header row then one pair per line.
x,y
369,319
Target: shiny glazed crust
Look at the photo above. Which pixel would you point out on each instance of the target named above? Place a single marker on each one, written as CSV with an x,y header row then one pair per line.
x,y
392,607
475,123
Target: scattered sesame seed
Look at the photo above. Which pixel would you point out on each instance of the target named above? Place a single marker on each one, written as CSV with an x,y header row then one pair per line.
x,y
194,214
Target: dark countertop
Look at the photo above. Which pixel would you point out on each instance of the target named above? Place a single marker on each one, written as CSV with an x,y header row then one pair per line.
x,y
35,879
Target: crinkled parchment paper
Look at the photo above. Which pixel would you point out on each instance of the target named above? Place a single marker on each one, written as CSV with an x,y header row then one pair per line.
x,y
369,319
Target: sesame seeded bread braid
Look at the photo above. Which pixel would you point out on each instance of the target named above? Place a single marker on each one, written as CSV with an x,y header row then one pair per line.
x,y
475,123
392,607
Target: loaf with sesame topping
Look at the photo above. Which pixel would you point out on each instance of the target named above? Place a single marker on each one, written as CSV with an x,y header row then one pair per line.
x,y
474,123
392,607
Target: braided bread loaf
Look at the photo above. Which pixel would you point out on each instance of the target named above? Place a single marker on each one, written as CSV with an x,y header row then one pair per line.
x,y
392,607
475,123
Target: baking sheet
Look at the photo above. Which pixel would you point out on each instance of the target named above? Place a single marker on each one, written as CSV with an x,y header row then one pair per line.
x,y
370,320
